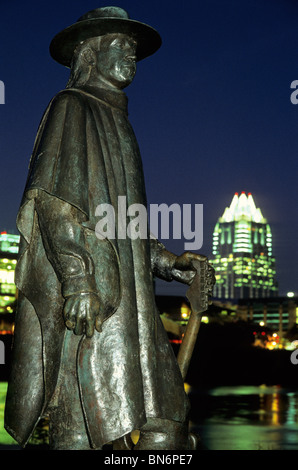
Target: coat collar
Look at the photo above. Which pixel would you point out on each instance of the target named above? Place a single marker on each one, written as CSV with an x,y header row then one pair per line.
x,y
117,98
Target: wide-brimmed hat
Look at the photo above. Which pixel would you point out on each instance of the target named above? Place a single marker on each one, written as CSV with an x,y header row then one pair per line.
x,y
102,21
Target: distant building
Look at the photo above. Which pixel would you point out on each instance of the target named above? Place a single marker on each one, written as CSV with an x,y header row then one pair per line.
x,y
9,247
177,309
280,314
174,313
242,252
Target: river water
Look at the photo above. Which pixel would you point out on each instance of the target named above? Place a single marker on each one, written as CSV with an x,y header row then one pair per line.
x,y
231,418
246,417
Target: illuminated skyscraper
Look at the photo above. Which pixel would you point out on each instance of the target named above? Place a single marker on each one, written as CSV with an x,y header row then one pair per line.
x,y
242,252
9,247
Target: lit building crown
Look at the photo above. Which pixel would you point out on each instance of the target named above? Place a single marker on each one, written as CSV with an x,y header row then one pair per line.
x,y
242,207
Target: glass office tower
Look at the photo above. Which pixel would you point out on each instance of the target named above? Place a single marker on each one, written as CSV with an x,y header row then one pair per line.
x,y
242,252
9,247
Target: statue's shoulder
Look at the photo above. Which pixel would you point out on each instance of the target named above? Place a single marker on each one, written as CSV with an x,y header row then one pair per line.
x,y
65,101
69,101
68,96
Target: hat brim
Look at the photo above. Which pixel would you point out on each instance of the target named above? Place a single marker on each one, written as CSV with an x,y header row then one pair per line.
x,y
65,42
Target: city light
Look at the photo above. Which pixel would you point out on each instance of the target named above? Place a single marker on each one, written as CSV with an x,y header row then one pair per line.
x,y
9,247
205,319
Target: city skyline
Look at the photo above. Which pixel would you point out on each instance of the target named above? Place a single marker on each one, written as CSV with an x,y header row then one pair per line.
x,y
211,109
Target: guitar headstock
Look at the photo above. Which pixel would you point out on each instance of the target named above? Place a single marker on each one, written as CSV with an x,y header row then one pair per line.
x,y
201,287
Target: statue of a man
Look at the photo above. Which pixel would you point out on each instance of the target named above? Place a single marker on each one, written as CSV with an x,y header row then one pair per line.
x,y
90,350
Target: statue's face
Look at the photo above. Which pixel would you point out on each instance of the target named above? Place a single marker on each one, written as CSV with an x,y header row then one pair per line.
x,y
116,60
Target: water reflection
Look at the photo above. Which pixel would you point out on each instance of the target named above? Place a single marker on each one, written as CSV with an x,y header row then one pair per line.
x,y
232,418
246,417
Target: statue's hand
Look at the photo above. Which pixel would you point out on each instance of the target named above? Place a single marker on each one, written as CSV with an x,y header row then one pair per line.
x,y
183,270
81,313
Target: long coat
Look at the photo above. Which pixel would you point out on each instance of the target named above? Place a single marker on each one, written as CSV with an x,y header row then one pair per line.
x,y
86,154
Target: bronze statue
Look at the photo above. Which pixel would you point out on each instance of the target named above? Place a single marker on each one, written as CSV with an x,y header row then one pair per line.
x,y
90,350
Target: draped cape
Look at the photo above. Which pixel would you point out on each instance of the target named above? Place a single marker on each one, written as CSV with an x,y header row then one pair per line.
x,y
86,154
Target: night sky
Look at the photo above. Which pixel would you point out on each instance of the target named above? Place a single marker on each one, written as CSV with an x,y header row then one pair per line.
x,y
211,109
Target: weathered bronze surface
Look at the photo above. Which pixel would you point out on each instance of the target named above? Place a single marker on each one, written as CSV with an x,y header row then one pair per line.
x,y
90,350
198,295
